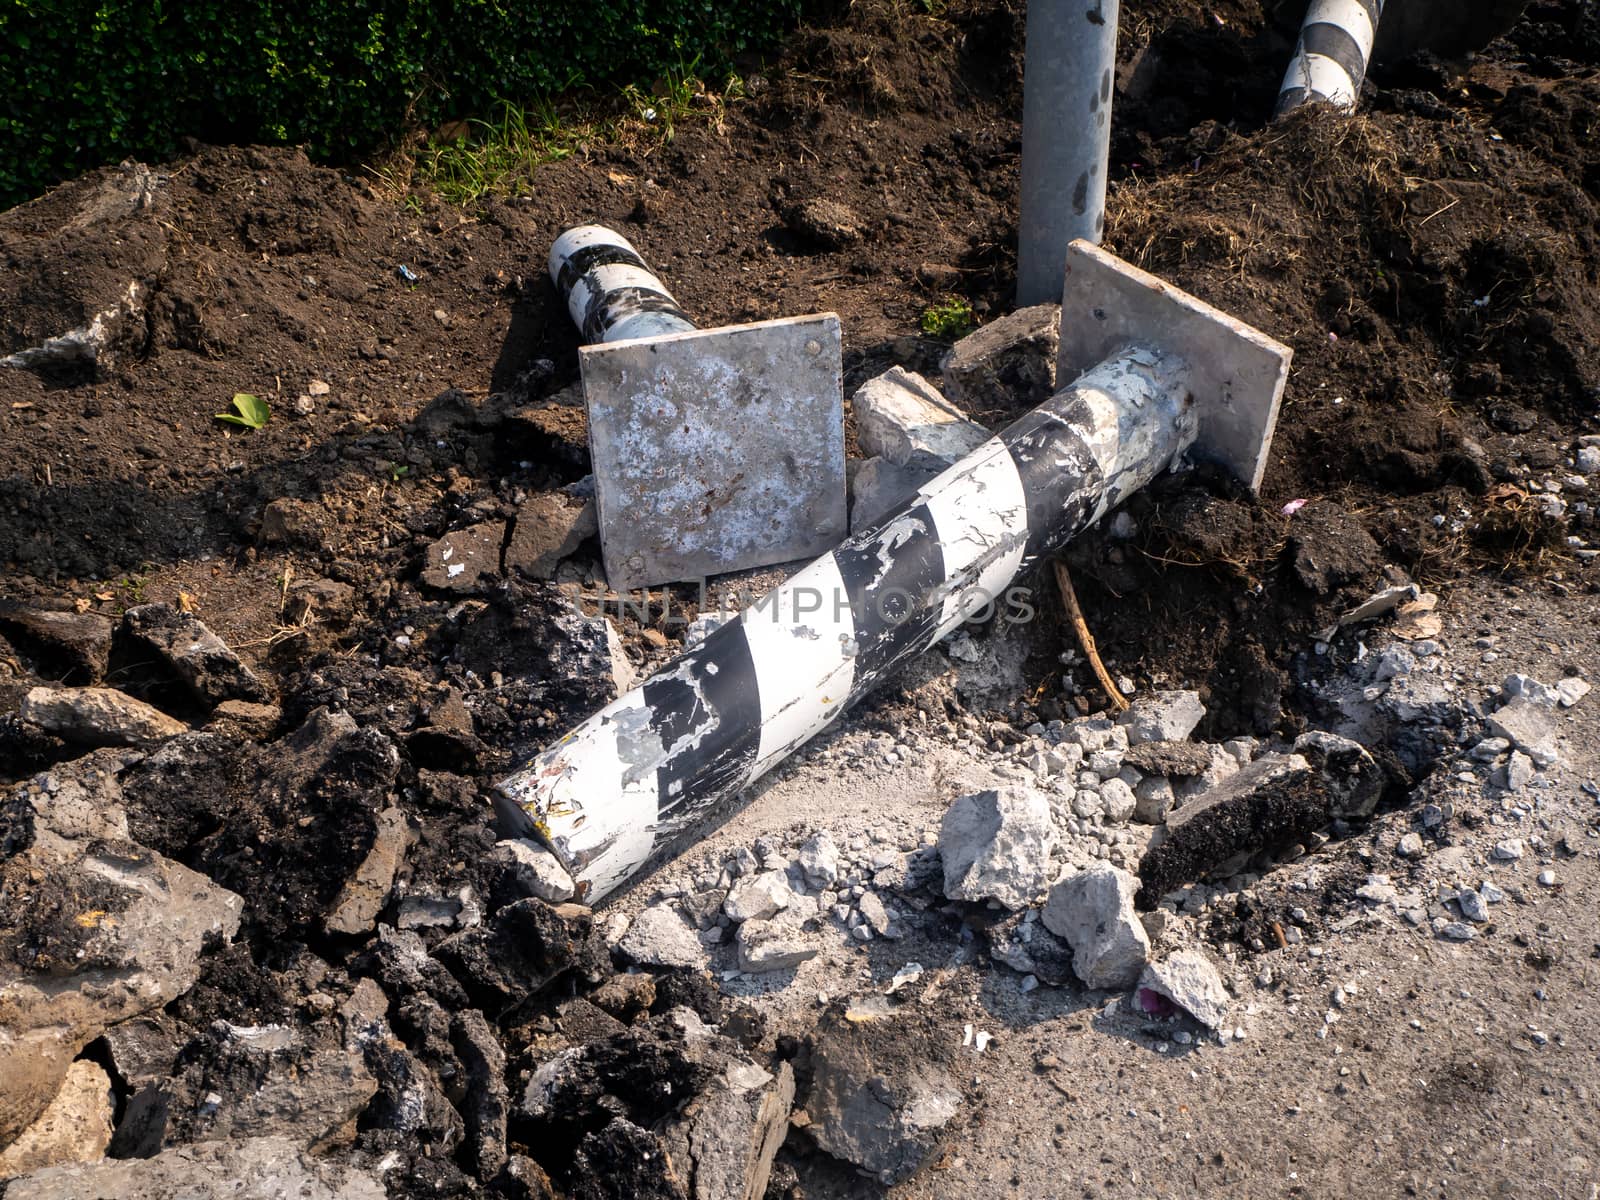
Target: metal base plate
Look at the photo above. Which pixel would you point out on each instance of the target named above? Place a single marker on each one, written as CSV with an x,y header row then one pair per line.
x,y
1236,373
717,450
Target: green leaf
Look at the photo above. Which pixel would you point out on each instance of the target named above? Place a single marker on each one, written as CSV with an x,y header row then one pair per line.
x,y
250,411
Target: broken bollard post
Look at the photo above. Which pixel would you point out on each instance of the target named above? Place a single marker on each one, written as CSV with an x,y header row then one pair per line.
x,y
682,489
1330,59
1155,373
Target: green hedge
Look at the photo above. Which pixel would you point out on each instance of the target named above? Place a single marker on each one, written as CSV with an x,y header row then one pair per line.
x,y
84,83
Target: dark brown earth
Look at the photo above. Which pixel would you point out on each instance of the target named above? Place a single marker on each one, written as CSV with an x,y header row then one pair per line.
x,y
1432,261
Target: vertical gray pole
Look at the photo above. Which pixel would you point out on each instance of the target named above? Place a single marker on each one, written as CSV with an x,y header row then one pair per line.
x,y
1066,137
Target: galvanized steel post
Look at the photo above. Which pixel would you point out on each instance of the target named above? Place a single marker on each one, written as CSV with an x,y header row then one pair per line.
x,y
1066,137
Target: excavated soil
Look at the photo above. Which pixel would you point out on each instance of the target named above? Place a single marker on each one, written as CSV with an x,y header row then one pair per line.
x,y
1432,261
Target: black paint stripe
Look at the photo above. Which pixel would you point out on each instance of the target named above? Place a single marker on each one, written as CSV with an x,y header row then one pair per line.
x,y
723,705
891,576
1334,41
1061,481
1374,10
608,309
598,254
1291,97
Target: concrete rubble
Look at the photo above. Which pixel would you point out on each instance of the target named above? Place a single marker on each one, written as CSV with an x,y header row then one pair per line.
x,y
120,930
255,1169
996,845
1008,365
179,643
909,433
1092,911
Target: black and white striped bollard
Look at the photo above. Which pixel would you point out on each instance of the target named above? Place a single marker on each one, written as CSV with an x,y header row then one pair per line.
x,y
1330,59
625,785
682,489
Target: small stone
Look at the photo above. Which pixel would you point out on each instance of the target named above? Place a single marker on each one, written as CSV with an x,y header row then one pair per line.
x,y
1117,801
1547,878
534,870
1153,800
75,1127
1489,749
1509,850
903,419
1570,690
759,897
1527,724
1457,931
1008,365
205,664
1518,772
659,937
94,716
1588,460
773,946
819,859
355,910
1187,979
1410,846
1162,717
875,914
1472,906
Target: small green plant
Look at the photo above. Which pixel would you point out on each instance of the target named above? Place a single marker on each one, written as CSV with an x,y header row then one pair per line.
x,y
397,472
250,411
951,318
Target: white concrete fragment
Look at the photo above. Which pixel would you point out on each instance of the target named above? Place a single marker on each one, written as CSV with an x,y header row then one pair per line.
x,y
996,845
1163,717
1527,724
1092,910
758,897
902,418
1117,801
819,859
659,937
536,871
1188,980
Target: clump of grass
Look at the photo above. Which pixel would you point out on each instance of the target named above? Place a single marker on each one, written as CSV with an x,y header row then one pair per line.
x,y
951,318
470,160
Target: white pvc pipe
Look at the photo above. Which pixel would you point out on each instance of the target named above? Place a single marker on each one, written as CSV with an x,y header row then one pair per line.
x,y
1330,59
611,294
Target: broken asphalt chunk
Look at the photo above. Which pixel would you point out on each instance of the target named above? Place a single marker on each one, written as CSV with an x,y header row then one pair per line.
x,y
95,716
1275,801
881,1093
179,643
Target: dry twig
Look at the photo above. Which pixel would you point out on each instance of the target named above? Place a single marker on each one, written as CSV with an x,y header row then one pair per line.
x,y
1085,638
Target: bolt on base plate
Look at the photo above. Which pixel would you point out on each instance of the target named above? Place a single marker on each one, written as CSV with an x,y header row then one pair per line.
x,y
1236,373
717,450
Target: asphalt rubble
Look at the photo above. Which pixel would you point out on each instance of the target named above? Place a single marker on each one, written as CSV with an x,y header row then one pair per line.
x,y
274,938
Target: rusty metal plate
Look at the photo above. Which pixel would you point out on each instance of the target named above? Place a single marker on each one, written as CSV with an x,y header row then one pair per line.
x,y
717,450
1236,373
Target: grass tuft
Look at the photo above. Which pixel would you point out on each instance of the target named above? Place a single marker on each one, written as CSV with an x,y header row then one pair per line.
x,y
468,161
